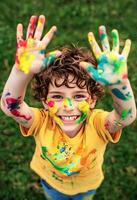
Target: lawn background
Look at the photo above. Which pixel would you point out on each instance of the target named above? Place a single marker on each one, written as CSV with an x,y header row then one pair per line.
x,y
74,20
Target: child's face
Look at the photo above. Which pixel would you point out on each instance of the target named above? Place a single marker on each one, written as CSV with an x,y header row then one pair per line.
x,y
65,106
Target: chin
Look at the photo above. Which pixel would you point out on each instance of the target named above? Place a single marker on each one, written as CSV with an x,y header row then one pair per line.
x,y
71,129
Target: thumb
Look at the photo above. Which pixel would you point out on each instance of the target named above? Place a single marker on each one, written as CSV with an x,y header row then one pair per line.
x,y
90,69
49,58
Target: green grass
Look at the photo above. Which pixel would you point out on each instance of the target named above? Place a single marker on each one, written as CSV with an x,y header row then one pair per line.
x,y
74,19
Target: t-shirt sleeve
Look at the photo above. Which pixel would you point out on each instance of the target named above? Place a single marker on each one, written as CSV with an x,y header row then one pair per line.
x,y
37,122
99,124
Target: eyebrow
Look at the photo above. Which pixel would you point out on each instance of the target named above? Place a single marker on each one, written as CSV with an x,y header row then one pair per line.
x,y
75,92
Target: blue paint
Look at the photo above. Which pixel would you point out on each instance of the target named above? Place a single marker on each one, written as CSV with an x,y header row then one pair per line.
x,y
119,94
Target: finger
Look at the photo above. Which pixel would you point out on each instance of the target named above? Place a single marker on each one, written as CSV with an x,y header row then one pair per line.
x,y
40,27
115,39
90,69
31,26
94,45
104,38
49,58
94,73
126,48
47,38
19,33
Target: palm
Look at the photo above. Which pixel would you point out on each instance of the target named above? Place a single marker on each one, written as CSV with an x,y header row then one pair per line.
x,y
111,69
112,66
30,53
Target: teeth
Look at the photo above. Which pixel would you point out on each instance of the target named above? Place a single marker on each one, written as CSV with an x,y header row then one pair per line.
x,y
69,117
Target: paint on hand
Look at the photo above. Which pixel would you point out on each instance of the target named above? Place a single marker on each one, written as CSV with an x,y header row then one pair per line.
x,y
26,59
53,110
84,108
48,60
32,24
104,38
112,66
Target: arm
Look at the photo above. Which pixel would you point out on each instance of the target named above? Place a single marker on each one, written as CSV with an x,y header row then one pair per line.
x,y
112,72
30,59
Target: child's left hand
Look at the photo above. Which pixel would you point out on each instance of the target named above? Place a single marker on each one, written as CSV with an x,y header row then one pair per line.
x,y
112,66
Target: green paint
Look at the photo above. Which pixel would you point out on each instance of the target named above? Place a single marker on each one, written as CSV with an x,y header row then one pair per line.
x,y
82,118
119,94
63,169
103,36
115,39
69,101
44,151
125,113
48,60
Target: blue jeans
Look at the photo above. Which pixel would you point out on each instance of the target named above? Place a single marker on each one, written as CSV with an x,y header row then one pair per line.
x,y
52,194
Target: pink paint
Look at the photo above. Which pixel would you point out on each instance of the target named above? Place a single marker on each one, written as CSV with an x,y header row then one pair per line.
x,y
51,103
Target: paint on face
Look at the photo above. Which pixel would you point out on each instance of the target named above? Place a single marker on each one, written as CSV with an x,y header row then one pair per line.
x,y
84,108
14,106
67,102
53,108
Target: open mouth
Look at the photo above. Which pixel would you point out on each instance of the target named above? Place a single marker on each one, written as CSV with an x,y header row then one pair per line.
x,y
71,118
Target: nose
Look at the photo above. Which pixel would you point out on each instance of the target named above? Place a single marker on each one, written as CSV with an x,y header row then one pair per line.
x,y
67,104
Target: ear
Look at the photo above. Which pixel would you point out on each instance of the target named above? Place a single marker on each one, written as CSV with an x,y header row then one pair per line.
x,y
45,104
92,102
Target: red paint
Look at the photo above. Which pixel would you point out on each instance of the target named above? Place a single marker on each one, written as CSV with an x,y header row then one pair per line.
x,y
51,103
125,76
32,24
13,106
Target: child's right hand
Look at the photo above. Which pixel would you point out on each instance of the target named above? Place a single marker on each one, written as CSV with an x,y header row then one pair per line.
x,y
30,53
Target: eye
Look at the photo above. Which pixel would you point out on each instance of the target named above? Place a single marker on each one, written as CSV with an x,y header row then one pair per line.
x,y
80,97
57,97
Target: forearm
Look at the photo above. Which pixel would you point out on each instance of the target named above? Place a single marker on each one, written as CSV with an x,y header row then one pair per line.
x,y
124,104
12,100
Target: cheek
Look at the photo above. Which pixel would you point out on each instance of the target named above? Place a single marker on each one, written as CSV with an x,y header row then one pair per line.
x,y
84,106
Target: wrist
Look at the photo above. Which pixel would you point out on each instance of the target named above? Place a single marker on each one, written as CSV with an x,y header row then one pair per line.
x,y
20,73
122,84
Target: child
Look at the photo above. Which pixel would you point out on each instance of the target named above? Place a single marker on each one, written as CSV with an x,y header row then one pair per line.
x,y
70,135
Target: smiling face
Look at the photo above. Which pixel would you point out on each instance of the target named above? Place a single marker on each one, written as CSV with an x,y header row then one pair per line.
x,y
68,106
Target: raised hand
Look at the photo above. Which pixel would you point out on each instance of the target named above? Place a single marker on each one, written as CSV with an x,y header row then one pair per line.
x,y
111,65
30,53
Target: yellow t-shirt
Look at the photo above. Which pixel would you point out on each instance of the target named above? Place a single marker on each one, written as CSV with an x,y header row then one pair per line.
x,y
70,165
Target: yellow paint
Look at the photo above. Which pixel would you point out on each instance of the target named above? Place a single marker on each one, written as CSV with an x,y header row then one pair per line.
x,y
83,106
40,24
25,61
30,42
53,110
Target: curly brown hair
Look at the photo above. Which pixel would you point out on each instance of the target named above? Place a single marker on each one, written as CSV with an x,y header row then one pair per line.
x,y
64,66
